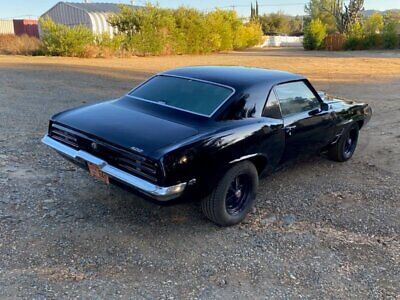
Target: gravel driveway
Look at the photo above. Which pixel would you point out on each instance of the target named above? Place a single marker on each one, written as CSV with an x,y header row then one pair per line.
x,y
320,229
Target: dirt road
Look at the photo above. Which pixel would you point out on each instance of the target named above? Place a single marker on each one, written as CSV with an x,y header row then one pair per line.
x,y
320,229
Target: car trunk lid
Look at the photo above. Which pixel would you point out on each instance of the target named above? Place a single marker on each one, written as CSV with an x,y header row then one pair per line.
x,y
125,126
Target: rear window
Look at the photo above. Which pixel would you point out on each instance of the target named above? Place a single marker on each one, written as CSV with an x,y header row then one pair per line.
x,y
182,93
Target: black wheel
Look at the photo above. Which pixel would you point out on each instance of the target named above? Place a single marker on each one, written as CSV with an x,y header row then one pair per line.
x,y
234,195
344,149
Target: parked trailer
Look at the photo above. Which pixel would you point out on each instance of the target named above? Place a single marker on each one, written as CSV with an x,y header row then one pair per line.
x,y
6,27
28,27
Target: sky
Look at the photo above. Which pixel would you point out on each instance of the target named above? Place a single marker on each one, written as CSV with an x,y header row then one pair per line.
x,y
34,8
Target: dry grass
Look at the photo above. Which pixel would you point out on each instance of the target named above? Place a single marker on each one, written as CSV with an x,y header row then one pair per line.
x,y
345,67
19,45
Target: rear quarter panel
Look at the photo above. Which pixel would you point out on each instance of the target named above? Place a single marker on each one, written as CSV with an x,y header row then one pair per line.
x,y
213,154
348,112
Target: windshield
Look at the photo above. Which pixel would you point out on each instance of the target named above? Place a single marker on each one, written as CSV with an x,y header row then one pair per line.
x,y
183,93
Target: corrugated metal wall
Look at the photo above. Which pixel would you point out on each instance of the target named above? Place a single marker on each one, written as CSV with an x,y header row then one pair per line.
x,y
100,24
71,16
29,27
68,15
6,27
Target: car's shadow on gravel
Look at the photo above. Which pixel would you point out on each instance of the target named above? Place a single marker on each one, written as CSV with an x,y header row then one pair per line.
x,y
116,204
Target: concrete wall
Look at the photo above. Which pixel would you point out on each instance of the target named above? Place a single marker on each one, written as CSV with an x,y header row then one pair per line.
x,y
282,41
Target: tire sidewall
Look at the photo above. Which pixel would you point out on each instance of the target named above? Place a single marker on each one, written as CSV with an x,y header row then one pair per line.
x,y
244,168
353,128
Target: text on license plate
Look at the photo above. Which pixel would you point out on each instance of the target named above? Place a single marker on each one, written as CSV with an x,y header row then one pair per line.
x,y
97,173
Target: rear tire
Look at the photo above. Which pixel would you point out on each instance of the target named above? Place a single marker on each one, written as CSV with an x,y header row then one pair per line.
x,y
233,197
344,149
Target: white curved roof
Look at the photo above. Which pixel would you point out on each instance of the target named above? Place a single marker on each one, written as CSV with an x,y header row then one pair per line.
x,y
72,14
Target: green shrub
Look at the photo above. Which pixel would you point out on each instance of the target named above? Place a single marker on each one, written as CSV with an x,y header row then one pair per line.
x,y
153,31
390,37
373,24
355,37
353,43
372,29
190,35
372,41
109,45
314,35
248,35
61,40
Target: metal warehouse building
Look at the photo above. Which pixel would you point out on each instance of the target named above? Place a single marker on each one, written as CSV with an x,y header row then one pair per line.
x,y
92,15
19,27
6,27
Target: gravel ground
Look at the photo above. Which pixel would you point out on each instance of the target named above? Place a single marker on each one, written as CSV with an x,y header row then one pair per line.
x,y
319,230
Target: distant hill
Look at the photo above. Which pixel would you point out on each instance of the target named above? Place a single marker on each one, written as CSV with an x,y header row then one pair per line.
x,y
369,12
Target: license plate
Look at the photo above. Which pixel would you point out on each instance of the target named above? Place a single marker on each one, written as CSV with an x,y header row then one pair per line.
x,y
95,172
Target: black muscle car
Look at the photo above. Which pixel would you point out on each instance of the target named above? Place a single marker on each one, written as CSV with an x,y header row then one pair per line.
x,y
207,132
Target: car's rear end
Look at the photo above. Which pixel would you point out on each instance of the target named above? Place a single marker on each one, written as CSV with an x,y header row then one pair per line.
x,y
111,163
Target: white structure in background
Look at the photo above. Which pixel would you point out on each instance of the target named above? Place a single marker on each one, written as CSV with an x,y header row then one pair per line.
x,y
282,41
6,27
92,15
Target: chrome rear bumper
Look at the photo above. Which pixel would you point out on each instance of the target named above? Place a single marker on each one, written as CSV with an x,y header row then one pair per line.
x,y
152,190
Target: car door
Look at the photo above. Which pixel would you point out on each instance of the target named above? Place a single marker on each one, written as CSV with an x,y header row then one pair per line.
x,y
274,142
308,127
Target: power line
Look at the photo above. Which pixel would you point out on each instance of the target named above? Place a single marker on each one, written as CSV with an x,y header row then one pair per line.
x,y
265,5
20,17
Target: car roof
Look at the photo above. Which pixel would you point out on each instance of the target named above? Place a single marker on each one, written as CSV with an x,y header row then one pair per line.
x,y
237,77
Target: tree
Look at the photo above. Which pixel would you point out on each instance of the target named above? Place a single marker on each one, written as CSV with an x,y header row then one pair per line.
x,y
278,23
335,13
254,14
390,36
346,15
321,9
275,23
314,35
373,24
296,25
257,10
392,15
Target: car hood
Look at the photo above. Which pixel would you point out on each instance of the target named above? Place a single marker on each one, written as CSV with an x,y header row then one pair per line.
x,y
123,125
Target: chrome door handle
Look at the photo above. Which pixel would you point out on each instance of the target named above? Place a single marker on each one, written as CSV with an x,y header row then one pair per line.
x,y
289,129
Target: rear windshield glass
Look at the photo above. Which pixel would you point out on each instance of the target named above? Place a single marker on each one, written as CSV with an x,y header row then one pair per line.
x,y
187,94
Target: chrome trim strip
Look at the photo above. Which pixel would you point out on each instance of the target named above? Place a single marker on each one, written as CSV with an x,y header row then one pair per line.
x,y
154,191
181,109
244,158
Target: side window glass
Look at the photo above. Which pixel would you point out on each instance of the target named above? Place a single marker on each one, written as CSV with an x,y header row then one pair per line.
x,y
272,108
296,97
249,105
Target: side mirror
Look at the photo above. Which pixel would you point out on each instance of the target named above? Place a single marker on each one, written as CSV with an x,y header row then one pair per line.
x,y
324,106
314,111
